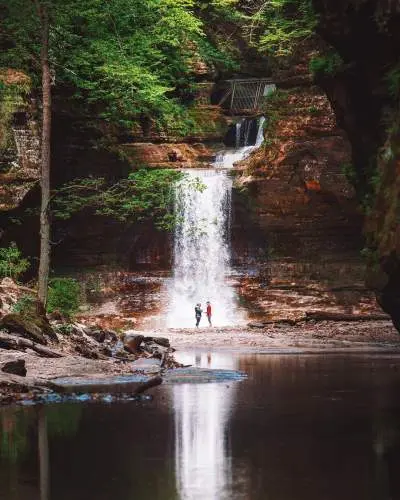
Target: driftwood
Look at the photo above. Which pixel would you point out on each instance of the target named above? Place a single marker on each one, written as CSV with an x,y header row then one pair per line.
x,y
333,316
13,342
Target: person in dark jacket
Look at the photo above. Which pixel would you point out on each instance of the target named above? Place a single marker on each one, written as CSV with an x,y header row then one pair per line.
x,y
198,311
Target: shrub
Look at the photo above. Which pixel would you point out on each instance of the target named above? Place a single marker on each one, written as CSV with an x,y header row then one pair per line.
x,y
26,305
63,296
12,264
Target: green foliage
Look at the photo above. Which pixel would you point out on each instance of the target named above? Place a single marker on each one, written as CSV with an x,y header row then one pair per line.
x,y
63,296
144,195
313,110
393,82
121,59
12,264
349,172
370,255
26,305
277,26
326,65
64,328
14,438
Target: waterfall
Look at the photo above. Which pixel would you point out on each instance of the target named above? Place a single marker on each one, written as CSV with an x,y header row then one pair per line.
x,y
228,157
202,251
202,238
28,146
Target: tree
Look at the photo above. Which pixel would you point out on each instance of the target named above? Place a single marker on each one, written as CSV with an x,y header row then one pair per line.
x,y
44,263
24,21
120,60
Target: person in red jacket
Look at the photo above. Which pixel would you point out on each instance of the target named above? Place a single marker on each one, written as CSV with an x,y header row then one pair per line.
x,y
208,312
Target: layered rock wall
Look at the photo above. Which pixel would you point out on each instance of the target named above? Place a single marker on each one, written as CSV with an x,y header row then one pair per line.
x,y
300,199
364,92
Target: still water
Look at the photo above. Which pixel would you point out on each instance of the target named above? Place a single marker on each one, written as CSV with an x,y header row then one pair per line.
x,y
298,428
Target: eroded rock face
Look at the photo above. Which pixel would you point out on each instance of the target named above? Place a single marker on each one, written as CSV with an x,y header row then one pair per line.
x,y
168,155
301,200
363,94
19,143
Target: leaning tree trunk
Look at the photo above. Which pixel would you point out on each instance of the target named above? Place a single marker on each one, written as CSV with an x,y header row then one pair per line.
x,y
44,265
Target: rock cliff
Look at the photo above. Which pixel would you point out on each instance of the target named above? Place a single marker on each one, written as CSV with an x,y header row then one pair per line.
x,y
364,92
301,201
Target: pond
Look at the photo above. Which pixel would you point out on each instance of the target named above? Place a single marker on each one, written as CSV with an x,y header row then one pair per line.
x,y
297,428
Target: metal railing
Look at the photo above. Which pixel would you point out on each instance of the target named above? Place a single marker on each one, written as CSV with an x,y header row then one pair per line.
x,y
247,95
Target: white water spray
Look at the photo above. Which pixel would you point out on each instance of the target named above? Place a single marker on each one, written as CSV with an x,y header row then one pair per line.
x,y
202,251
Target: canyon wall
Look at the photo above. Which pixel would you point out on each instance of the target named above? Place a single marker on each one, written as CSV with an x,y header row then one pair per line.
x,y
364,91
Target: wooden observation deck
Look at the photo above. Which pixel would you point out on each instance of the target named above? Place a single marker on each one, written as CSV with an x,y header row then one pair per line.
x,y
246,95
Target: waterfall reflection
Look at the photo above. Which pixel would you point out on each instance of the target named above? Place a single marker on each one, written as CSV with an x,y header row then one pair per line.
x,y
202,458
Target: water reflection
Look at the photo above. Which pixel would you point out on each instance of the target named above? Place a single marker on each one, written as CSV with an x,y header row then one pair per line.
x,y
299,428
24,447
202,459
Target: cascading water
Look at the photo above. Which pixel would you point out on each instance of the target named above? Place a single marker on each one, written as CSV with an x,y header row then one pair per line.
x,y
227,157
202,250
202,240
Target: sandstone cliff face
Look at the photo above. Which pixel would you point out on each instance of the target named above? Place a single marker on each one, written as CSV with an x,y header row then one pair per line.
x,y
19,139
364,93
303,203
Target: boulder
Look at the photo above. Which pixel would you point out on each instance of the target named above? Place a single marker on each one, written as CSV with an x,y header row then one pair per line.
x,y
26,327
163,341
156,350
132,342
99,336
16,367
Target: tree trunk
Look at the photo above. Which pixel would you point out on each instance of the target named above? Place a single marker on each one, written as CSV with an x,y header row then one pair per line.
x,y
44,265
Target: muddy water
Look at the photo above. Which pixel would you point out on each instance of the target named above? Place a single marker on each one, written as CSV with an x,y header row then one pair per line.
x,y
298,428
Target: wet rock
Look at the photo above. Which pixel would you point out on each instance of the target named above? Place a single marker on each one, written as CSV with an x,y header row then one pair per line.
x,y
16,367
86,352
121,354
132,342
126,384
111,335
163,341
156,350
106,351
147,365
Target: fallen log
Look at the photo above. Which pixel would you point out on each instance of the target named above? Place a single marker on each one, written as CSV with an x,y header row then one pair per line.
x,y
333,316
12,342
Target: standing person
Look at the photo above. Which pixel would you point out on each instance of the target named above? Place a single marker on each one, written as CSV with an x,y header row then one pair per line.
x,y
209,313
198,311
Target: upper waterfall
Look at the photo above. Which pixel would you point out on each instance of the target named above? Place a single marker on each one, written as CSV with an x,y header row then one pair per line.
x,y
243,148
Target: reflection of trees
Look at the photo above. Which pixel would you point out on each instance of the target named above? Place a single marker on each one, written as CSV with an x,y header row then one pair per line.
x,y
14,441
18,442
43,442
18,423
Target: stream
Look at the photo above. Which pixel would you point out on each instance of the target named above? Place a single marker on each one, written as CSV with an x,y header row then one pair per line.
x,y
297,428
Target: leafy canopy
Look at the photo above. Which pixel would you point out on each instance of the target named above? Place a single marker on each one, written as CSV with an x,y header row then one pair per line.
x,y
122,59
